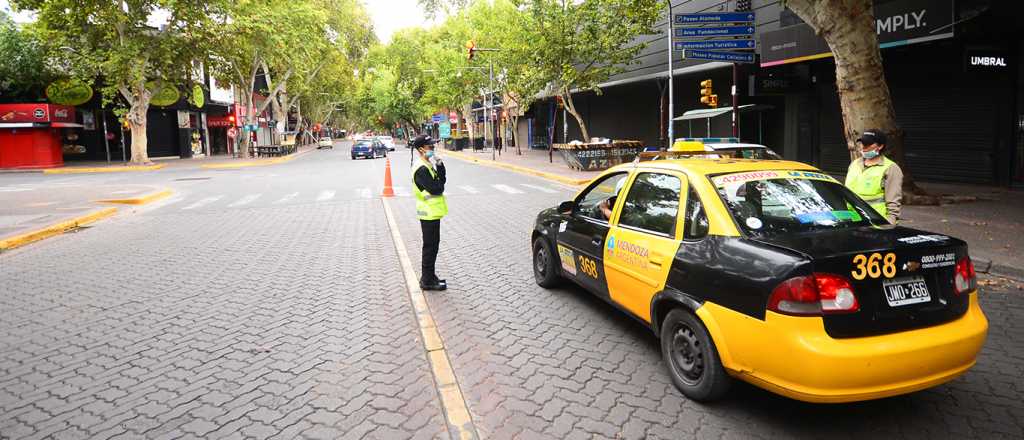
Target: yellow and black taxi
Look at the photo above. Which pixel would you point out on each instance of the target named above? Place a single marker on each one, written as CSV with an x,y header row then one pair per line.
x,y
770,272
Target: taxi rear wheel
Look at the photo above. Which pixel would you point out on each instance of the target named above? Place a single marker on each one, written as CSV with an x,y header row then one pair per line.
x,y
692,357
545,269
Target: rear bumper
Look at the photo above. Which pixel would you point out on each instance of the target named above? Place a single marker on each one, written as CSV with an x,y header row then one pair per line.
x,y
794,357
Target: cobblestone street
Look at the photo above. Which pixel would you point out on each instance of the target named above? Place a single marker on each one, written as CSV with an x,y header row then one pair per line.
x,y
270,303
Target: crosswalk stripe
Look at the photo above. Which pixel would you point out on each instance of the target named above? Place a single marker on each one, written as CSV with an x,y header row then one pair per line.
x,y
325,195
286,198
469,189
539,188
506,189
245,200
203,202
364,193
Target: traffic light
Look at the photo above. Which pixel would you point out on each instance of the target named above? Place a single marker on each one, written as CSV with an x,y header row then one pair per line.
x,y
707,95
471,47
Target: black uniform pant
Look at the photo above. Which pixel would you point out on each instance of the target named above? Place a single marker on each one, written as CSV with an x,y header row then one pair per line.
x,y
431,239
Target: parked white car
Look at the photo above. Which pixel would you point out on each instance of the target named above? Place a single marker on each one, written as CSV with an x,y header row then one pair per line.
x,y
388,141
325,142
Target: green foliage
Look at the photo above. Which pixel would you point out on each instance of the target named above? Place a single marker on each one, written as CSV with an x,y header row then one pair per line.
x,y
24,66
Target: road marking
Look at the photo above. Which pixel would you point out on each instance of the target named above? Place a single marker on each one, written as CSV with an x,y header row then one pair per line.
x,y
15,189
506,189
203,202
469,189
286,198
325,195
539,188
245,200
364,193
456,411
401,191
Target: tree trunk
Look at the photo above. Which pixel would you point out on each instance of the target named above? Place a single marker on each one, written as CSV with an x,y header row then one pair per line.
x,y
571,108
515,133
848,26
470,121
298,123
250,119
138,99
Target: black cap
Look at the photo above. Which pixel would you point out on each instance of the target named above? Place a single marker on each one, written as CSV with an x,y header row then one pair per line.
x,y
872,136
422,141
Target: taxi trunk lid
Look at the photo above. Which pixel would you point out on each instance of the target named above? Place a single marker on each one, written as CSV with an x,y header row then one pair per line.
x,y
890,290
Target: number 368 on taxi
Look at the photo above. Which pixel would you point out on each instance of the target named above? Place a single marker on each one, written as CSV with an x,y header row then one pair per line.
x,y
770,272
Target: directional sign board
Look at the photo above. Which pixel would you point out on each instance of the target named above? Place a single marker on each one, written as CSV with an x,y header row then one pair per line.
x,y
724,31
725,17
713,45
437,118
731,57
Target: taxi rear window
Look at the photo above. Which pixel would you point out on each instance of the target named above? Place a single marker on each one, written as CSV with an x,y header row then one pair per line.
x,y
785,201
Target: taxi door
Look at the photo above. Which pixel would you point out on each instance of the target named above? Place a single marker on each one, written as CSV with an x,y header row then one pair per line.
x,y
644,239
581,238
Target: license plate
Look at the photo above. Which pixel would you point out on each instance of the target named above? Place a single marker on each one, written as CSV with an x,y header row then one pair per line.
x,y
904,291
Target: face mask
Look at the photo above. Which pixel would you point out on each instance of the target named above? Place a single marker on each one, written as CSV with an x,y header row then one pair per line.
x,y
870,154
428,154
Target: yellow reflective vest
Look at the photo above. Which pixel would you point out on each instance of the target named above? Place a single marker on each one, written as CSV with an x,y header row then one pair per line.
x,y
866,182
428,206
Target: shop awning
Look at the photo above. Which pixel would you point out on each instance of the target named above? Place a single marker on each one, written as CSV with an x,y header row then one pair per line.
x,y
65,125
712,112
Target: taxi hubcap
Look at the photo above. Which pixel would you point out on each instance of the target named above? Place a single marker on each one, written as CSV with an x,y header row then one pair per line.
x,y
542,260
687,353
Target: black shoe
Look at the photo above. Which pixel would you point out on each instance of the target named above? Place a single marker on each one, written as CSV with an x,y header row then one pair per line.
x,y
437,285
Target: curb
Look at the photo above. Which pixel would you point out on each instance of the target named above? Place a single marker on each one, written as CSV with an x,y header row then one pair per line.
x,y
141,200
112,169
519,169
55,229
252,163
992,268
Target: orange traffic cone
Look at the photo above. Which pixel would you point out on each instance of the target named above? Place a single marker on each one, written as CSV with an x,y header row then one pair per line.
x,y
388,190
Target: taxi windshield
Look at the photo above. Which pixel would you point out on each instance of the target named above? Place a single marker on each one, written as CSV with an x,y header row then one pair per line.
x,y
782,201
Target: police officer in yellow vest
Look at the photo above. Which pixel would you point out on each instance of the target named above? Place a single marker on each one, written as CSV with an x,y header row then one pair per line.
x,y
875,178
428,179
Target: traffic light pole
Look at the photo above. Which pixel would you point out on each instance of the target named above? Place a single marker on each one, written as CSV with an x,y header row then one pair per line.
x,y
735,103
671,101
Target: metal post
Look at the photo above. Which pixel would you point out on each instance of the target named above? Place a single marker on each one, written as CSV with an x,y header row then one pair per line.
x,y
565,124
124,154
490,101
106,142
671,100
735,104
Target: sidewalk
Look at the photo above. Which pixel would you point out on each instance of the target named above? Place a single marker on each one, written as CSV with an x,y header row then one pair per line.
x,y
993,225
220,161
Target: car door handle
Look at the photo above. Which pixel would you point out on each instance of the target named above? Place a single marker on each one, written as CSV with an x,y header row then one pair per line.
x,y
656,259
596,240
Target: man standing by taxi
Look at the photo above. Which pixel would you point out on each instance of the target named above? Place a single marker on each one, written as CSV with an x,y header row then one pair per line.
x,y
428,178
875,178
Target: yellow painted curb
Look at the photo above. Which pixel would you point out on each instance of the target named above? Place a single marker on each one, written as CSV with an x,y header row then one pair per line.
x,y
520,169
110,169
453,403
141,200
251,163
55,229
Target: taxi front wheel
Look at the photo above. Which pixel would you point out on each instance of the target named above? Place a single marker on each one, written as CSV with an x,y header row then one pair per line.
x,y
545,268
692,358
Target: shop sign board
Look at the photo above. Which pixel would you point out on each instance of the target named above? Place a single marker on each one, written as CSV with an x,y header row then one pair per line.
x,y
36,112
897,24
69,92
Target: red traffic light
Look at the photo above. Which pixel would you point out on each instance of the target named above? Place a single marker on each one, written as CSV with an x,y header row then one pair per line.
x,y
471,47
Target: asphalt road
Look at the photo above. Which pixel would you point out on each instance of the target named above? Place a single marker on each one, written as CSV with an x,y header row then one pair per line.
x,y
269,303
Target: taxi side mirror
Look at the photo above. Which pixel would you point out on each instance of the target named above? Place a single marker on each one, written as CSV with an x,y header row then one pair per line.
x,y
566,207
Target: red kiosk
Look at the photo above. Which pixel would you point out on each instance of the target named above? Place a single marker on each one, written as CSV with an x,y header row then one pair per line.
x,y
32,135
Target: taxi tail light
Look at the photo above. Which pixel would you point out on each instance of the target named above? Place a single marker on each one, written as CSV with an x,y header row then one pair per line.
x,y
964,279
814,295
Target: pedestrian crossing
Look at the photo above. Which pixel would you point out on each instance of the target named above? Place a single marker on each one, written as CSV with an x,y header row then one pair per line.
x,y
187,202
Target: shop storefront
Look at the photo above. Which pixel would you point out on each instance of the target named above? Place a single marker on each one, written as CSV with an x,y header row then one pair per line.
x,y
33,136
953,74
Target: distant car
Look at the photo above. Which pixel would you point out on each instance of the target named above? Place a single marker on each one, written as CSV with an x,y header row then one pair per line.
x,y
368,148
388,141
325,142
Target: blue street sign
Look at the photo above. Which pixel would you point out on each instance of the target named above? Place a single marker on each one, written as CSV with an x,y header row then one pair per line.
x,y
723,31
730,57
714,44
437,118
725,17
